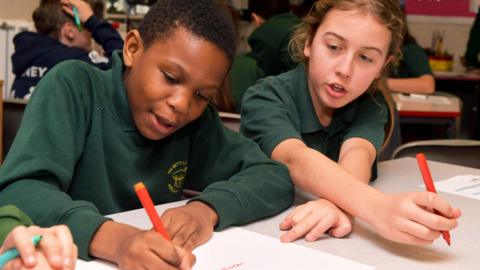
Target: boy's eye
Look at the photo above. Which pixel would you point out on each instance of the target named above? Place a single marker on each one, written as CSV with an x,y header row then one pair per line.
x,y
202,96
170,78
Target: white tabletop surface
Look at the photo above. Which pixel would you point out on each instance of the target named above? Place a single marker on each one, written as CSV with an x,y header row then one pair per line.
x,y
365,246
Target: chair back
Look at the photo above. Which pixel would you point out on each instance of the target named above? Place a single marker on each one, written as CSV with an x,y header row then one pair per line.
x,y
458,152
230,120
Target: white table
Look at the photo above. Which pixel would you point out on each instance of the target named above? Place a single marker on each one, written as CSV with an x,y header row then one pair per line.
x,y
367,247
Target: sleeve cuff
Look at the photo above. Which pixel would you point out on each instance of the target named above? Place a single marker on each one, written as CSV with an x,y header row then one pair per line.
x,y
84,222
91,23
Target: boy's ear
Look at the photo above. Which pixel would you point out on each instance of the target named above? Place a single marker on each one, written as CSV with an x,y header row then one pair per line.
x,y
132,47
67,31
257,19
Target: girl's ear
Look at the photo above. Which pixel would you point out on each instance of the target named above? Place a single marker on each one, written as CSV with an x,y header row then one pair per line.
x,y
307,48
132,48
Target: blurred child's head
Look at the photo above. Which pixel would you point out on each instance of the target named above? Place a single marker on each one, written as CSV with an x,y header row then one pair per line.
x,y
343,53
262,10
51,20
176,62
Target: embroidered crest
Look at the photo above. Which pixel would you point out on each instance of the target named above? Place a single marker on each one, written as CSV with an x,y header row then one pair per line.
x,y
178,172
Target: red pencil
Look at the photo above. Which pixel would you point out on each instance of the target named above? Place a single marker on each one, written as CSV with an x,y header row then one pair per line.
x,y
427,179
147,203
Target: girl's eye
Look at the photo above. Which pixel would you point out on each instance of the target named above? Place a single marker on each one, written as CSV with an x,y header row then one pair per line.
x,y
170,78
202,96
333,47
366,58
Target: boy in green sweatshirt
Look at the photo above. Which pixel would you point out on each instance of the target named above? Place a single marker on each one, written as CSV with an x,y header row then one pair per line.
x,y
88,136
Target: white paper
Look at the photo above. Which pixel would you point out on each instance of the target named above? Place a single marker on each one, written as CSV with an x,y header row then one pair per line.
x,y
240,249
463,185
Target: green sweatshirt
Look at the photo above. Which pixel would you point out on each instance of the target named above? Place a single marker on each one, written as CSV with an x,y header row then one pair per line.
x,y
269,43
78,154
473,45
11,217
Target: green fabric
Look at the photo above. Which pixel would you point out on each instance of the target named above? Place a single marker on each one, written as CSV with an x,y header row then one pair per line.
x,y
279,108
78,154
243,74
269,43
414,62
473,45
10,217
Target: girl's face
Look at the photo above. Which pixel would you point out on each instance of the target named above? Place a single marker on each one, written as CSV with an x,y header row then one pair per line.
x,y
348,51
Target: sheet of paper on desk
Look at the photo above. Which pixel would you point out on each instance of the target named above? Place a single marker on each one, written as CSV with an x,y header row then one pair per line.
x,y
463,185
240,249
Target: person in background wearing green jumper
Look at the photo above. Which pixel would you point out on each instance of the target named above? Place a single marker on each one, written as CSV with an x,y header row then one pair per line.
x,y
56,249
87,136
325,121
269,41
473,45
412,74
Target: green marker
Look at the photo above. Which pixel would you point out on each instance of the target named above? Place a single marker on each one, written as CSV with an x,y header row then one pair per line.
x,y
13,252
76,16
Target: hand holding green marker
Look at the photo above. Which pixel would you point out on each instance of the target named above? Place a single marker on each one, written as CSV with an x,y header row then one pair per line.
x,y
13,252
76,16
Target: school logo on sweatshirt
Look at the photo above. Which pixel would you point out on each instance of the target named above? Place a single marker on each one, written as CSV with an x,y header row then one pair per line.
x,y
178,172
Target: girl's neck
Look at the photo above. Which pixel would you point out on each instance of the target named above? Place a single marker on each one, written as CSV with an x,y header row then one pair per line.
x,y
324,113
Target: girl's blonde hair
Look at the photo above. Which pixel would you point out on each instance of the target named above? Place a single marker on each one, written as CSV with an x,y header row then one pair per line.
x,y
387,12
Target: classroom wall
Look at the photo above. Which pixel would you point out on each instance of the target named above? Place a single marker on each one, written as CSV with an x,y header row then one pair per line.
x,y
456,33
17,9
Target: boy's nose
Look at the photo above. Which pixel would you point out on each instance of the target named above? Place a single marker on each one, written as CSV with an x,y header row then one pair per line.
x,y
180,100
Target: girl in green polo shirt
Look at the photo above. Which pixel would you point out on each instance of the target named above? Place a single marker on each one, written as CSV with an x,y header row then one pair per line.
x,y
325,120
56,250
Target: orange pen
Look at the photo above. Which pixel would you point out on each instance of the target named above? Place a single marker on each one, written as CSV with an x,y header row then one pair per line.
x,y
147,203
427,179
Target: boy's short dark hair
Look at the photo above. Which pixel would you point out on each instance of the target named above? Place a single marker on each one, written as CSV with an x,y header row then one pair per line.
x,y
207,19
268,8
49,17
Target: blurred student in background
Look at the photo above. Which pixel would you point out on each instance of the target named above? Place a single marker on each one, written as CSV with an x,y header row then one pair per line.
x,y
412,74
58,38
269,41
473,45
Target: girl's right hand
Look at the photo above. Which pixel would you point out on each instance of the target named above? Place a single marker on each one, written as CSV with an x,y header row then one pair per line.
x,y
313,219
409,218
149,250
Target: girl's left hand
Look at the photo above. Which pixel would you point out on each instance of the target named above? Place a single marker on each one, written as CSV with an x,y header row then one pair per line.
x,y
313,219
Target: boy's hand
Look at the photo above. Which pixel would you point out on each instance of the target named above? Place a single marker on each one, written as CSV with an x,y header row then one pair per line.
x,y
313,219
190,225
84,9
408,218
56,249
149,250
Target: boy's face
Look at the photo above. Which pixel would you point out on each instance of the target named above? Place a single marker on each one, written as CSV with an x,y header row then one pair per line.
x,y
170,83
348,51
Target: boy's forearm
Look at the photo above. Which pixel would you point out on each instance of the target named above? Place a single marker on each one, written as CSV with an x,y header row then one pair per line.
x,y
108,238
